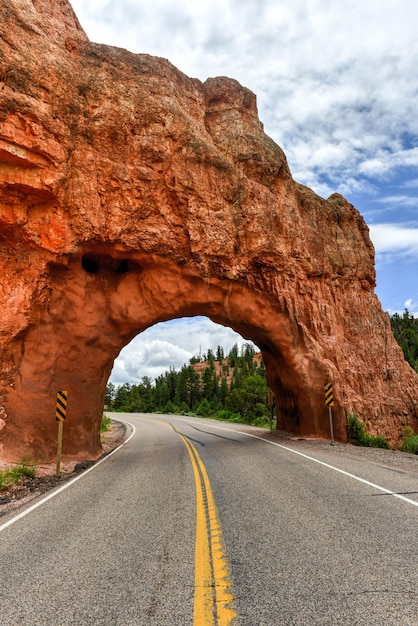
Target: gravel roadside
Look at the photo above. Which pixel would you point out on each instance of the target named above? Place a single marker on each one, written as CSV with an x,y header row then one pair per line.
x,y
15,496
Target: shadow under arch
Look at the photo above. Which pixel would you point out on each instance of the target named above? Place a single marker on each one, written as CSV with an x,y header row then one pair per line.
x,y
98,303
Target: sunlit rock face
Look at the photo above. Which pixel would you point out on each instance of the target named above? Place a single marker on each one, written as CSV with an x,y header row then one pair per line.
x,y
132,194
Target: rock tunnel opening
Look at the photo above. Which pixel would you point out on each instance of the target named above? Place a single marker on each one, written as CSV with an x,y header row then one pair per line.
x,y
100,300
277,374
176,354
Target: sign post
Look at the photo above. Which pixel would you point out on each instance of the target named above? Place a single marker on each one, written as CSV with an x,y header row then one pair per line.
x,y
60,415
329,402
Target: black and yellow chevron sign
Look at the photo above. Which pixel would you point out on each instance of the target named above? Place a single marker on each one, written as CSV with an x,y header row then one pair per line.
x,y
61,407
329,395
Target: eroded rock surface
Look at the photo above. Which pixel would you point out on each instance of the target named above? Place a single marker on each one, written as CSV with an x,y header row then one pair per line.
x,y
132,194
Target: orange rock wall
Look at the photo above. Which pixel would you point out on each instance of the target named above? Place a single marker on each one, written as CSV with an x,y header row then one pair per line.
x,y
132,194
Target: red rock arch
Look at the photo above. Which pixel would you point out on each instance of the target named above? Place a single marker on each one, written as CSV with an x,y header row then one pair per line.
x,y
95,309
131,194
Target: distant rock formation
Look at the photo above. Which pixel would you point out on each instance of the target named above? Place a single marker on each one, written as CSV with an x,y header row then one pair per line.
x,y
131,194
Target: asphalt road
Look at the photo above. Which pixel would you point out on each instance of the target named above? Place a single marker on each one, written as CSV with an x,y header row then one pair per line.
x,y
200,522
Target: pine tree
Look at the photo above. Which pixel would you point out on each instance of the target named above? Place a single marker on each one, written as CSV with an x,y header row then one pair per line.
x,y
405,330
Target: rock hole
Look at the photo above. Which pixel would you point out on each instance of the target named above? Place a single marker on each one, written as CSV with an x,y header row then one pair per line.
x,y
90,264
94,263
123,267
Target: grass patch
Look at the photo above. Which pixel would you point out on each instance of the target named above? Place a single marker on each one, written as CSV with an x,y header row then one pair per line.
x,y
358,435
14,475
105,424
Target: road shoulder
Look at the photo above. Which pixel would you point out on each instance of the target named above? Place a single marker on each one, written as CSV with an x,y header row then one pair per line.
x,y
15,497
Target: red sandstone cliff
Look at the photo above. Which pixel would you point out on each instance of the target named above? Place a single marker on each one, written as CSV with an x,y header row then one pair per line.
x,y
131,194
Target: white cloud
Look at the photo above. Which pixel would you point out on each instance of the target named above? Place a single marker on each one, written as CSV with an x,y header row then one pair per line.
x,y
387,161
170,344
395,239
336,82
411,305
413,183
147,356
399,201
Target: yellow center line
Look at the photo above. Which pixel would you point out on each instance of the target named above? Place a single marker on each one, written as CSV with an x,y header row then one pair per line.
x,y
213,590
204,601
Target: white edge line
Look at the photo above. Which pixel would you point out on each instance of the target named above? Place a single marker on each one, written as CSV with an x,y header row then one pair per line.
x,y
67,484
311,458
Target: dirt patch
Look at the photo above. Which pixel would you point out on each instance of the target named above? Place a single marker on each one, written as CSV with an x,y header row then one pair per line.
x,y
29,488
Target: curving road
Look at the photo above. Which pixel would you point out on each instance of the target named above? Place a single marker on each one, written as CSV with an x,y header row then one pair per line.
x,y
197,522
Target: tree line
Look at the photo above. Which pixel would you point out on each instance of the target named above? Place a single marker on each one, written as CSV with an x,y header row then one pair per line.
x,y
405,330
231,386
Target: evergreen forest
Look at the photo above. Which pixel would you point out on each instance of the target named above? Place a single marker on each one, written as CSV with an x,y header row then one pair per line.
x,y
405,330
229,386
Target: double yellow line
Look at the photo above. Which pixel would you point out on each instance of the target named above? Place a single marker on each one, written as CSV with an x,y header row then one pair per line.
x,y
212,595
213,590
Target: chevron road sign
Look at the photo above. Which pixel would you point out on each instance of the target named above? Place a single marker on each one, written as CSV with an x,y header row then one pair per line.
x,y
60,415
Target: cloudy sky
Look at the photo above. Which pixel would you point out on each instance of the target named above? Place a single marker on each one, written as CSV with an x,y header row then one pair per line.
x,y
337,88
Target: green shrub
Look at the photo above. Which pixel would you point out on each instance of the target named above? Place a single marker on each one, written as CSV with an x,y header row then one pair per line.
x,y
410,441
356,430
23,470
105,424
262,421
13,475
358,435
226,414
376,441
184,408
203,409
170,408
